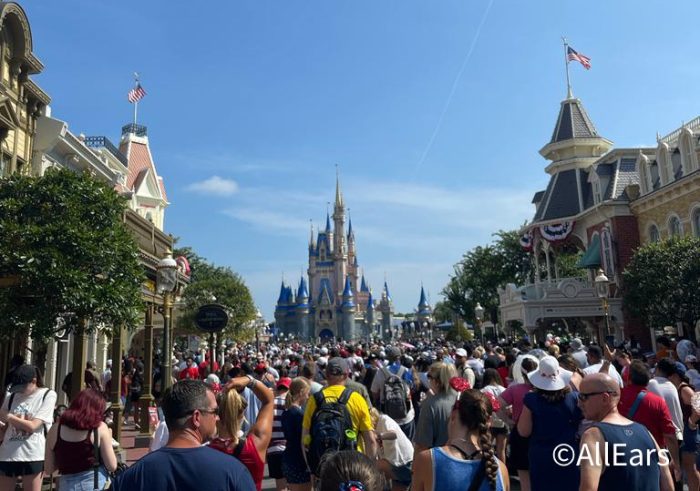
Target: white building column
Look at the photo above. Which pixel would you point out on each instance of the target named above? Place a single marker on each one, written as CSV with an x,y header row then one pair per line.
x,y
102,351
51,365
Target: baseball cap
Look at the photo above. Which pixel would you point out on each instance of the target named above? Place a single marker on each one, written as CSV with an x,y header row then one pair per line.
x,y
336,366
576,344
22,375
285,382
393,352
461,352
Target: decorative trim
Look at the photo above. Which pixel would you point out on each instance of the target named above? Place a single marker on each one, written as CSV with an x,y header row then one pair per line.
x,y
558,231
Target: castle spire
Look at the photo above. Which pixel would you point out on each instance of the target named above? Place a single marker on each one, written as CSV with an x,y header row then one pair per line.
x,y
328,222
338,193
311,236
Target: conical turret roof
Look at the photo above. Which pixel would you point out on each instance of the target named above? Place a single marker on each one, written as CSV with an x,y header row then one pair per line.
x,y
573,122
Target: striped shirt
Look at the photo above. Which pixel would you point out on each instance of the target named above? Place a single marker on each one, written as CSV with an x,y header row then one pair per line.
x,y
277,443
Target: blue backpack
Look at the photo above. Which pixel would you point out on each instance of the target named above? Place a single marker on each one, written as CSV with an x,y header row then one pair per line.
x,y
329,428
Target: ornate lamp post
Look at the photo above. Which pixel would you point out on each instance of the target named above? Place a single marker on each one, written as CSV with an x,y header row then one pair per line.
x,y
166,284
258,325
602,286
479,314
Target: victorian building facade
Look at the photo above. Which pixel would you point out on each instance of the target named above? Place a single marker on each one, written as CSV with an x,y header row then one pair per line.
x,y
585,208
604,202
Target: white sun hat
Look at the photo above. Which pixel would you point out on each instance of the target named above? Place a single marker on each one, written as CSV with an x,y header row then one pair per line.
x,y
548,375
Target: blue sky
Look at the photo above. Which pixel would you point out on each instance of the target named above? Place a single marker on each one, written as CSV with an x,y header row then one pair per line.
x,y
434,112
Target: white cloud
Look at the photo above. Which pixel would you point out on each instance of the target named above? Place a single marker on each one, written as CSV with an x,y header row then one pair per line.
x,y
214,185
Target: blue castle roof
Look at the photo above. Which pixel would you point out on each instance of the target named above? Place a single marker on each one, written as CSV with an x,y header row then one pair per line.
x,y
302,292
386,289
363,285
370,301
347,293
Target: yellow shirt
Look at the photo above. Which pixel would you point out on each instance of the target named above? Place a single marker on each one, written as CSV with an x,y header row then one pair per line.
x,y
357,407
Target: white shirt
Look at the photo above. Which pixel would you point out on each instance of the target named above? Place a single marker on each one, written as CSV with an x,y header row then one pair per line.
x,y
160,436
20,446
612,371
399,451
663,387
476,365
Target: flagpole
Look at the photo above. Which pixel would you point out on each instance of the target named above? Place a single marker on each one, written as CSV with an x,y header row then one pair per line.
x,y
569,94
136,104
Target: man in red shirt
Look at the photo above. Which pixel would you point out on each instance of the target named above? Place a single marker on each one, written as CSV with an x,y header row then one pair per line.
x,y
204,366
652,411
190,371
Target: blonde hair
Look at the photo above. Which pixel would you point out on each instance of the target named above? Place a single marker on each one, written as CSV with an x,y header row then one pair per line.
x,y
554,350
374,416
231,409
296,389
442,373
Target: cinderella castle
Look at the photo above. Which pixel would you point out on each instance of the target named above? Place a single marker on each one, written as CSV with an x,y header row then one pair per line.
x,y
336,302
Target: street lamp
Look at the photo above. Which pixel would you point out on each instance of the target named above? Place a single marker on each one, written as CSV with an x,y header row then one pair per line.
x,y
602,287
166,283
258,320
479,314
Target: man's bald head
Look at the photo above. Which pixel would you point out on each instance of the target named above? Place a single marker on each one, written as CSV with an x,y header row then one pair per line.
x,y
598,396
600,382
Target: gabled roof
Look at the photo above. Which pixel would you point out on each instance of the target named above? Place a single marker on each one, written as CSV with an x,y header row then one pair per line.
x,y
140,162
325,294
573,122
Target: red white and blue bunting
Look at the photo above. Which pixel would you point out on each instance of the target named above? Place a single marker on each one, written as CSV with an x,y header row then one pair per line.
x,y
526,240
557,231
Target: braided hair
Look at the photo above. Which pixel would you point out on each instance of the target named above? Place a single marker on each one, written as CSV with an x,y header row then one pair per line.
x,y
475,413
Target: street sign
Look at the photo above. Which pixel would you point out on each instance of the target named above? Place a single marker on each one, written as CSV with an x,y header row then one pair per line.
x,y
211,318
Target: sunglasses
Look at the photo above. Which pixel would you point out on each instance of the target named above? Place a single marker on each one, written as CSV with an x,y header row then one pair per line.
x,y
584,396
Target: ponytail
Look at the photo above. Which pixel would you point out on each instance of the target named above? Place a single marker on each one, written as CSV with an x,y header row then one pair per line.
x,y
487,455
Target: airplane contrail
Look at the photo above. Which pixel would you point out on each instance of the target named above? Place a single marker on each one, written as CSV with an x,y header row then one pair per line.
x,y
454,88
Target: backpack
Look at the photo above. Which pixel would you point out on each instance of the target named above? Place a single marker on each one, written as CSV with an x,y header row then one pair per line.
x,y
395,403
329,425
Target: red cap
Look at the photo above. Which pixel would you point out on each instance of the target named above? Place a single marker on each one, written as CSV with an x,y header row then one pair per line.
x,y
260,368
285,382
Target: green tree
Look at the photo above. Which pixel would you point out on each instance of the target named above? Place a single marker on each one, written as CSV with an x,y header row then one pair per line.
x,y
209,282
662,282
63,236
482,271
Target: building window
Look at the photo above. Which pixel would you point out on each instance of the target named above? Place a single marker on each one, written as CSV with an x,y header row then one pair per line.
x,y
696,222
653,233
674,227
607,250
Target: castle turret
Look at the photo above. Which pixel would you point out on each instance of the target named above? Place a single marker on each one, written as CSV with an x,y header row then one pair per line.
x,y
340,254
425,312
347,330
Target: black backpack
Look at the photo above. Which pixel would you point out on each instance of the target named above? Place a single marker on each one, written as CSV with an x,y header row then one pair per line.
x,y
329,424
395,403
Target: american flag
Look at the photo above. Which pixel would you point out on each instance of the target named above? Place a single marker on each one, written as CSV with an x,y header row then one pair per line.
x,y
572,55
136,94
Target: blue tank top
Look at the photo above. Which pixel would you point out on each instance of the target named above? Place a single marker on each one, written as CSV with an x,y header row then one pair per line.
x,y
450,474
635,441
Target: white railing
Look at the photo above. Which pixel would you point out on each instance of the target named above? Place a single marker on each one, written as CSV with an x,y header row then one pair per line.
x,y
695,123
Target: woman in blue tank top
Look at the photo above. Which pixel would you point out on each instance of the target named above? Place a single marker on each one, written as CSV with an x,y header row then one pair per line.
x,y
467,461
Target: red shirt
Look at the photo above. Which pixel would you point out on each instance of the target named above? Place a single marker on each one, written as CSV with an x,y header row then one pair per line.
x,y
653,412
249,457
204,367
189,372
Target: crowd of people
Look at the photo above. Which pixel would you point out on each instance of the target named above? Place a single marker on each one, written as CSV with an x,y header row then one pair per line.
x,y
428,415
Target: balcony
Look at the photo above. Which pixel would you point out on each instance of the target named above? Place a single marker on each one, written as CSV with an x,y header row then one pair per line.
x,y
103,142
557,298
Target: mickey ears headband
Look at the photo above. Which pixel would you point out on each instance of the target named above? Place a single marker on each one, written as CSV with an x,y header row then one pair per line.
x,y
351,486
